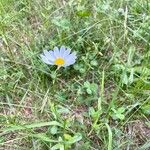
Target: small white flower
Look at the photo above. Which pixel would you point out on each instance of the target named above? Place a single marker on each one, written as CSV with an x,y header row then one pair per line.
x,y
60,57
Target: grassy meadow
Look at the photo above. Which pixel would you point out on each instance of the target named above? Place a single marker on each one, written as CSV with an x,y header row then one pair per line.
x,y
102,102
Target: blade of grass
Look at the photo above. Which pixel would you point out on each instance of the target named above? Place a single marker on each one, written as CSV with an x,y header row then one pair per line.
x,y
13,128
109,137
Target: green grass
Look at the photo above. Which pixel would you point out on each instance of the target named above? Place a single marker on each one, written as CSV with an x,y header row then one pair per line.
x,y
102,102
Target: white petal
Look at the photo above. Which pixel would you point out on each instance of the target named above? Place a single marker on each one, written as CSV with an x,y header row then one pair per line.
x,y
49,55
66,53
52,54
56,52
44,59
62,50
70,59
70,62
72,56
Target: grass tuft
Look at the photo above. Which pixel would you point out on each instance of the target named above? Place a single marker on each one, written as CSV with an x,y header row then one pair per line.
x,y
102,102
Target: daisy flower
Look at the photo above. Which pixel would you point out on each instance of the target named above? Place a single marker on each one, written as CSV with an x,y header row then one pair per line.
x,y
61,57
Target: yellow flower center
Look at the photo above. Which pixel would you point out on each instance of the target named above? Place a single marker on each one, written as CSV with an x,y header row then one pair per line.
x,y
59,61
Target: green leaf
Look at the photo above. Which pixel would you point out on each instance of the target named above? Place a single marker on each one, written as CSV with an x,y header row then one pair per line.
x,y
94,87
89,91
67,136
30,126
121,110
109,137
146,146
131,77
146,109
58,146
94,114
83,13
63,23
94,63
118,113
75,138
130,55
124,78
91,111
148,124
53,130
120,116
43,137
87,84
82,70
1,139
